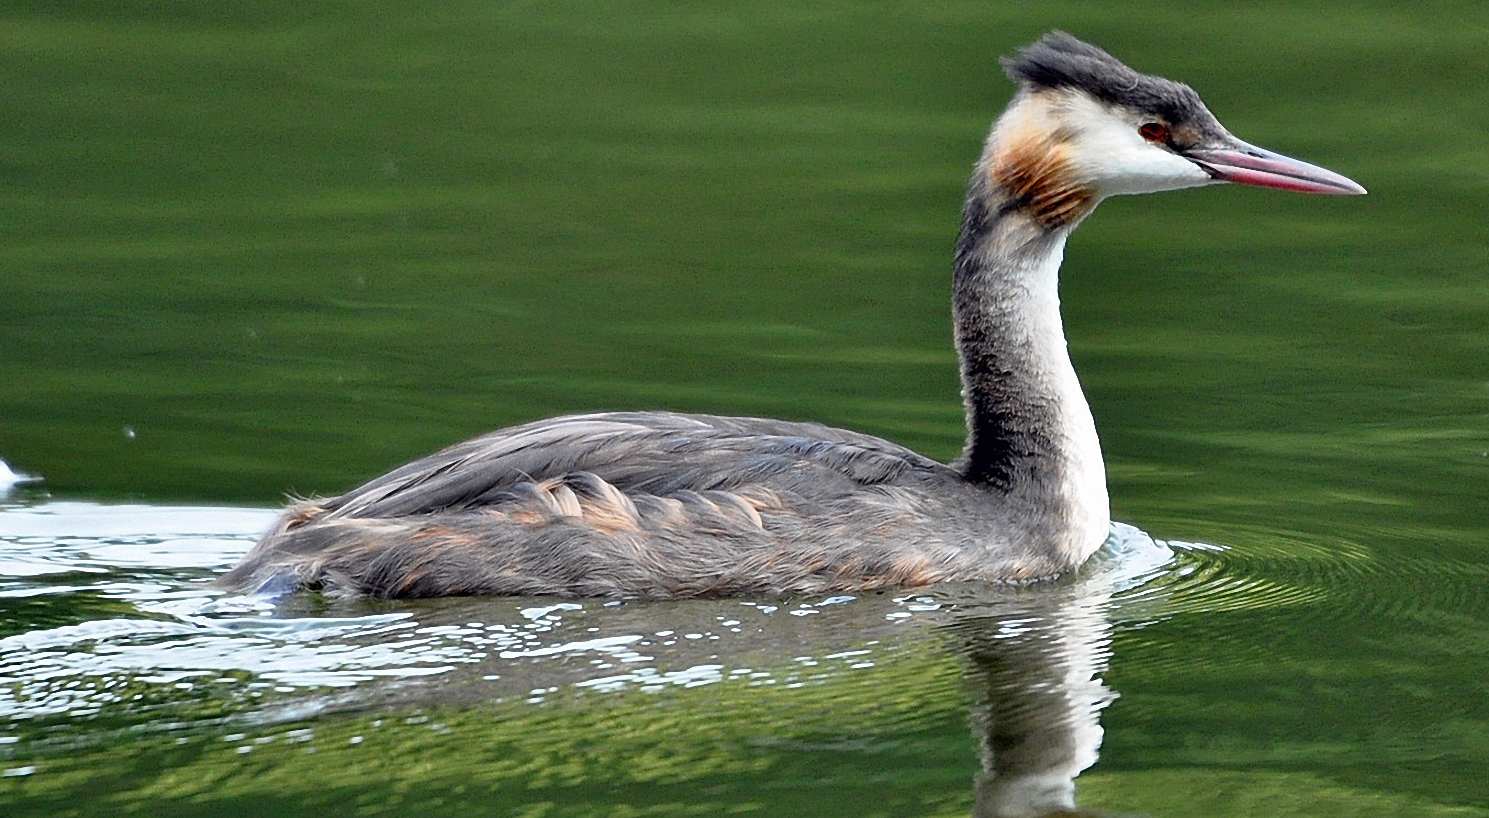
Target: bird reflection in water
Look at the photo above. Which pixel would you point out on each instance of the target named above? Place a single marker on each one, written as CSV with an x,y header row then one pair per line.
x,y
1033,660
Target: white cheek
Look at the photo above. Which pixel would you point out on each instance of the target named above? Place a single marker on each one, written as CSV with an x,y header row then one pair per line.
x,y
1147,169
1110,155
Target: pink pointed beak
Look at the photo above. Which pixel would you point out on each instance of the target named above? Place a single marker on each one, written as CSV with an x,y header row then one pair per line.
x,y
1249,165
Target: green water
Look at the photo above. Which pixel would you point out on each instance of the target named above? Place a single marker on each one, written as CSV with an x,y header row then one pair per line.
x,y
260,248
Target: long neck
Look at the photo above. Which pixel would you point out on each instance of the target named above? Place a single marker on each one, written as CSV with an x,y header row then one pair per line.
x,y
1030,435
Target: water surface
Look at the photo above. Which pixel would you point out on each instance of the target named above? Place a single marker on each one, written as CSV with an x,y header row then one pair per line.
x,y
265,248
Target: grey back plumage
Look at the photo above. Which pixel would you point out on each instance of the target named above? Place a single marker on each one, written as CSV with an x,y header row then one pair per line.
x,y
648,504
651,452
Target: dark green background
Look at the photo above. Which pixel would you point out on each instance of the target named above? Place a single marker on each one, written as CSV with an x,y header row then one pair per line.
x,y
290,245
255,248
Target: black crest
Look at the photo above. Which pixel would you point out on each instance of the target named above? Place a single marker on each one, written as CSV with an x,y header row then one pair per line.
x,y
1059,60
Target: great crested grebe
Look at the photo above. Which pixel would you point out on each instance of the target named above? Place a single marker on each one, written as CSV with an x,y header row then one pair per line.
x,y
665,505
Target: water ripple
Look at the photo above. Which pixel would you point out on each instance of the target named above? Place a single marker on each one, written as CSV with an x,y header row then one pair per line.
x,y
111,613
129,623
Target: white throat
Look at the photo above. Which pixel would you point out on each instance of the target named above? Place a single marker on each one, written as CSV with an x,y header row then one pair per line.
x,y
1083,477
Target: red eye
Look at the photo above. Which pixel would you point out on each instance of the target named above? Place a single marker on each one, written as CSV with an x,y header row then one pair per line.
x,y
1153,131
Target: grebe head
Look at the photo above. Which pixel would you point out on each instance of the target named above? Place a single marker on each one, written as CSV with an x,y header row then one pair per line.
x,y
1084,126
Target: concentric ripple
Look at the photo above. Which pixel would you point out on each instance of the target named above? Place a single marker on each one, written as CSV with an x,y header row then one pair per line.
x,y
1265,569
